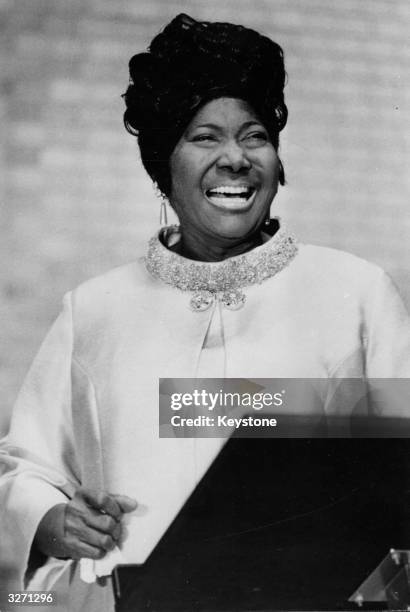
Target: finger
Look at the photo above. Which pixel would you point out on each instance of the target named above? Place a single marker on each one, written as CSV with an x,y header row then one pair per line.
x,y
75,519
104,502
78,521
91,537
127,504
75,529
79,532
103,523
80,550
80,518
99,540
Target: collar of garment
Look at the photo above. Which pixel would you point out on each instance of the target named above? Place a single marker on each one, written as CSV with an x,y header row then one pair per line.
x,y
243,270
221,280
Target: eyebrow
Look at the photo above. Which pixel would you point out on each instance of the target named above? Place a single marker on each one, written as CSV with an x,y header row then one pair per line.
x,y
214,126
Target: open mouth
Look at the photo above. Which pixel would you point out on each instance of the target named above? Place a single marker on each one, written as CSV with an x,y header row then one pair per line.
x,y
231,198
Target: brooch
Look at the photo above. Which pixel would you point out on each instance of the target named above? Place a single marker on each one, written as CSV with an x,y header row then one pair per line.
x,y
232,300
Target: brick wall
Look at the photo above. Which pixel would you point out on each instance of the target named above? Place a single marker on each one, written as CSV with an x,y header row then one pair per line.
x,y
74,200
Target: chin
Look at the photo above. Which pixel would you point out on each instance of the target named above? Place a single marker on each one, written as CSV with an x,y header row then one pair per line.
x,y
235,229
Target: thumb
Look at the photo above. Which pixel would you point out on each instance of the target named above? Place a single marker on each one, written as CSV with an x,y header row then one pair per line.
x,y
127,504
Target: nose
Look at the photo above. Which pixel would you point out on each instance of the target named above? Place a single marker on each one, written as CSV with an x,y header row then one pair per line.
x,y
233,157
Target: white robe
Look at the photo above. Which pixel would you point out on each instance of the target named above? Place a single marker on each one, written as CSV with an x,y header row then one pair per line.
x,y
88,411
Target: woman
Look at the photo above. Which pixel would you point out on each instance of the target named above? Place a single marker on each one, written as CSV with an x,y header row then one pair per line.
x,y
228,294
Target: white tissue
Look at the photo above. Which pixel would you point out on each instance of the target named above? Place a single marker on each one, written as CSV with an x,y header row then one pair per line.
x,y
128,552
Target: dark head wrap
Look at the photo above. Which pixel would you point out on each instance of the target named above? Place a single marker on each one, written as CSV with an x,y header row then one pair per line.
x,y
188,64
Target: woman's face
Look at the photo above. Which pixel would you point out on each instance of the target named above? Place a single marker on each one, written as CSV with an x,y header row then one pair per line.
x,y
224,172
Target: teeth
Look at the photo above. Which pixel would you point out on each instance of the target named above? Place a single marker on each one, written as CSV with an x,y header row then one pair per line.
x,y
228,190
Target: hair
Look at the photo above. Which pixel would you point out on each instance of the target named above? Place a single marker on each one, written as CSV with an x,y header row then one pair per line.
x,y
189,64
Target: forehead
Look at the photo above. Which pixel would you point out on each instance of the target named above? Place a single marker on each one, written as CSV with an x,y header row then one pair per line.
x,y
224,112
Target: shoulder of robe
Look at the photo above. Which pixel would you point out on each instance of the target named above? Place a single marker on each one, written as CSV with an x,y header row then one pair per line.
x,y
329,266
126,279
110,295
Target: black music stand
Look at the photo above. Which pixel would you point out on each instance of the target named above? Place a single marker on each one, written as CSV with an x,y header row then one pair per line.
x,y
278,524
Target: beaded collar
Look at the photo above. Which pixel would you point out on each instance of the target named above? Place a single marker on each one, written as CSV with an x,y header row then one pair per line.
x,y
220,280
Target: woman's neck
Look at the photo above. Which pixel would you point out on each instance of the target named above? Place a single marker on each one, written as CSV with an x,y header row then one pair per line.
x,y
199,248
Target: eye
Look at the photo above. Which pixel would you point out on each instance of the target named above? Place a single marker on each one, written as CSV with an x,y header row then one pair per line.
x,y
204,138
258,136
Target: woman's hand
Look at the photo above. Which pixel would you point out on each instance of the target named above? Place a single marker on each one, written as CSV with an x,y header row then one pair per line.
x,y
88,526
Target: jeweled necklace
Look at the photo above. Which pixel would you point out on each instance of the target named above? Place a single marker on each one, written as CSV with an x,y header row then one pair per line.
x,y
218,280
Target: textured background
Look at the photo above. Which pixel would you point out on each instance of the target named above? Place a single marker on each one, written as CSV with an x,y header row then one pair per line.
x,y
74,200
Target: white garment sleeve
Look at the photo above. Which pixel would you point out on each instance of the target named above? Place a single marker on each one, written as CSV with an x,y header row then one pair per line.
x,y
387,342
37,459
387,332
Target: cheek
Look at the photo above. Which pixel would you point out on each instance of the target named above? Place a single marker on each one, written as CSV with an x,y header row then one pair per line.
x,y
185,183
266,162
271,166
184,172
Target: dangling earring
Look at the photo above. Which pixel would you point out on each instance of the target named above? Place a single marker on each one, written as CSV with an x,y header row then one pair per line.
x,y
267,218
163,217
